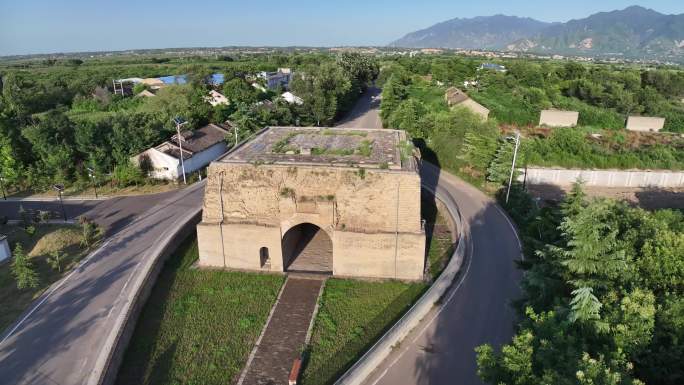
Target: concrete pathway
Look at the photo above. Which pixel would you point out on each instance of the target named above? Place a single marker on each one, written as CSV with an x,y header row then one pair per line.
x,y
285,335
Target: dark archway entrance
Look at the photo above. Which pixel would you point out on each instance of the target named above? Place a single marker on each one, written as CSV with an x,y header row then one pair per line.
x,y
307,248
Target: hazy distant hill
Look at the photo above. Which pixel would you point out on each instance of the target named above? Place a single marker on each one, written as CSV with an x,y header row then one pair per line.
x,y
484,32
633,32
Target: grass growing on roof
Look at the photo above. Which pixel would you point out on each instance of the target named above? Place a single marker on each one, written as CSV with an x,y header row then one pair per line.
x,y
198,326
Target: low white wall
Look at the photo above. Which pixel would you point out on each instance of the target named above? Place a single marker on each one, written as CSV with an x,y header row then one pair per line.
x,y
5,252
603,178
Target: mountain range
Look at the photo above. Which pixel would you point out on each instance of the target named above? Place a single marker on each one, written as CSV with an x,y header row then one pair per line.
x,y
634,32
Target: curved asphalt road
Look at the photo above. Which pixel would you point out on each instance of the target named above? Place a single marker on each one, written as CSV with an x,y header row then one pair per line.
x,y
58,340
61,337
477,308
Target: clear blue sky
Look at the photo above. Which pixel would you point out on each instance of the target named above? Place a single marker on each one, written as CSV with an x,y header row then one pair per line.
x,y
42,26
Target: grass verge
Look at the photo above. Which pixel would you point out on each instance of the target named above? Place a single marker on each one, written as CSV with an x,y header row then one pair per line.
x,y
354,314
441,246
198,326
47,238
351,317
106,190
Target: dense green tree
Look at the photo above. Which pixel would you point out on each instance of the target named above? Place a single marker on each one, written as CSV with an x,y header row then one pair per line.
x,y
407,116
52,139
23,270
238,91
595,312
362,69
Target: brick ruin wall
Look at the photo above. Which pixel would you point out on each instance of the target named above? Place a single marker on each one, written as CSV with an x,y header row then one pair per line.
x,y
372,217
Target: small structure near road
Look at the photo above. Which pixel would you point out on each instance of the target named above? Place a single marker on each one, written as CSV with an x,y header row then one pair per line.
x,y
292,98
456,97
200,147
216,98
645,123
558,118
310,199
145,94
5,252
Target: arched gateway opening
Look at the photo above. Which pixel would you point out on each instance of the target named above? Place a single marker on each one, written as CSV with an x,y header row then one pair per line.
x,y
307,248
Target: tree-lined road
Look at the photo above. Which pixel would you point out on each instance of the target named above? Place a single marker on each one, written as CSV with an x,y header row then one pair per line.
x,y
62,338
365,113
477,308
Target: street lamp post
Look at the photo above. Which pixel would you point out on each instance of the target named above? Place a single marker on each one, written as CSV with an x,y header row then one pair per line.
x,y
60,188
180,122
2,187
515,155
91,174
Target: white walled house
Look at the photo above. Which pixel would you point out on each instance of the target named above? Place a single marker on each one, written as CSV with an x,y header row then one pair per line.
x,y
200,147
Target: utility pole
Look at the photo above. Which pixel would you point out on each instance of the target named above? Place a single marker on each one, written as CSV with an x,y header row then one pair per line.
x,y
60,188
515,155
180,122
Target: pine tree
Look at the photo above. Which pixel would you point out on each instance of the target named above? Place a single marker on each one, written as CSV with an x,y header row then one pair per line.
x,y
23,270
575,200
499,170
478,150
584,304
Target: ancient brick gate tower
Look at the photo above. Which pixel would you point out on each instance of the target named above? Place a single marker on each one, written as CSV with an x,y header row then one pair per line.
x,y
343,201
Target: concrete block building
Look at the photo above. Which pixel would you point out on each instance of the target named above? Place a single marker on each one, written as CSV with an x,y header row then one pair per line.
x,y
327,200
558,118
645,123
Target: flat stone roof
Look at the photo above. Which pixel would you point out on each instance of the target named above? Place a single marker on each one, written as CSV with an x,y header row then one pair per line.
x,y
330,146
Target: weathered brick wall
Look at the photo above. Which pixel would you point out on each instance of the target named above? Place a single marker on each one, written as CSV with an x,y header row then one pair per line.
x,y
364,201
373,217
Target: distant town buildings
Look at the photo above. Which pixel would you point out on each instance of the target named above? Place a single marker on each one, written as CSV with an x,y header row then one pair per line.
x,y
492,67
200,147
645,123
455,97
558,118
280,78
